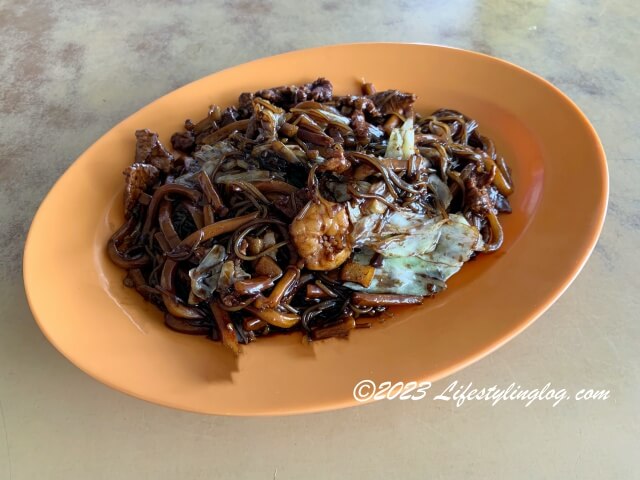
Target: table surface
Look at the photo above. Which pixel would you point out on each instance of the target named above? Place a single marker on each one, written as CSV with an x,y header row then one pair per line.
x,y
70,73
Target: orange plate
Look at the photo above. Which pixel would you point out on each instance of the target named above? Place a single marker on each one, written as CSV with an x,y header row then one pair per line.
x,y
560,173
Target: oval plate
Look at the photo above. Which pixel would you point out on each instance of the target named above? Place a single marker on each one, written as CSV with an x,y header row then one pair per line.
x,y
107,330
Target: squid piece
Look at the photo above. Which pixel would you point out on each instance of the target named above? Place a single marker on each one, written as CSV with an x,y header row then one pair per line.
x,y
342,329
124,261
225,326
497,235
166,224
276,318
252,324
253,285
224,132
123,236
284,286
275,186
500,180
211,194
266,265
182,325
171,302
218,228
314,291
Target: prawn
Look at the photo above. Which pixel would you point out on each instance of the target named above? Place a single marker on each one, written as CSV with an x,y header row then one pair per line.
x,y
320,234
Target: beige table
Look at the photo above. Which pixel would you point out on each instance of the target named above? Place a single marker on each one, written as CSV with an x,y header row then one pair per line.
x,y
69,73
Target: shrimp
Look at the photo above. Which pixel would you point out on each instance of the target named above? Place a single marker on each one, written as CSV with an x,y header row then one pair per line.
x,y
320,234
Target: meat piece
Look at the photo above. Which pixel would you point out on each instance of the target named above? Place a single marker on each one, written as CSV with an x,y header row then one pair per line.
x,y
291,206
361,128
281,96
315,138
208,124
245,104
145,141
230,115
335,134
477,200
476,183
189,165
183,141
269,161
285,204
349,103
364,116
346,104
160,158
302,196
321,90
367,105
393,101
334,159
500,202
140,178
150,150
